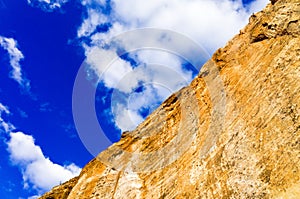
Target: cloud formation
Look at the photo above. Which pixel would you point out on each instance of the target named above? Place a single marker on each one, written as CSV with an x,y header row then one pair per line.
x,y
38,171
3,109
5,126
211,23
15,56
47,5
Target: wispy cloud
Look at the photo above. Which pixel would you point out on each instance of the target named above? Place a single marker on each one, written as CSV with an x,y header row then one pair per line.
x,y
47,5
70,130
5,126
45,107
3,109
211,23
22,113
2,4
15,56
34,197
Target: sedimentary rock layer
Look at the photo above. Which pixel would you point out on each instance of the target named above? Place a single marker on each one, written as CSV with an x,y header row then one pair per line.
x,y
234,132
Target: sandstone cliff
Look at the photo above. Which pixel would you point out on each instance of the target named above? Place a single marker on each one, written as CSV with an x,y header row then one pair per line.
x,y
234,132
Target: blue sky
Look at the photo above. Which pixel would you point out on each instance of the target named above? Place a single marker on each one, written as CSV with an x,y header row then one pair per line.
x,y
42,46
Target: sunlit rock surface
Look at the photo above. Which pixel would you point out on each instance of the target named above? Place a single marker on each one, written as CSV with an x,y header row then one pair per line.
x,y
234,132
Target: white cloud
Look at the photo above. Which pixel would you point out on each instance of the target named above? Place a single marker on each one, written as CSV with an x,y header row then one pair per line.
x,y
15,55
47,5
89,25
126,108
125,118
211,23
34,197
97,2
107,67
3,109
257,5
6,126
38,171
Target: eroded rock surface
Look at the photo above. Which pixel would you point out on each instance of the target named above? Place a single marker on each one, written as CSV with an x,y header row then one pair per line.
x,y
191,147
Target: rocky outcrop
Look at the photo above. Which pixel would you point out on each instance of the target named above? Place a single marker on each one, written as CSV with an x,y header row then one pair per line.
x,y
62,191
234,132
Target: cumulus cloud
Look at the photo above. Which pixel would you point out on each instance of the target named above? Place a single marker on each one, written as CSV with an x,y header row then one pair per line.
x,y
47,5
38,171
211,23
15,56
103,66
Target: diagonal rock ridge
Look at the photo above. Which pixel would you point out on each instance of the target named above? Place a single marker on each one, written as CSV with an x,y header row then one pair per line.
x,y
238,139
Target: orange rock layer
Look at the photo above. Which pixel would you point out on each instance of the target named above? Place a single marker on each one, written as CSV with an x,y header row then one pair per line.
x,y
234,132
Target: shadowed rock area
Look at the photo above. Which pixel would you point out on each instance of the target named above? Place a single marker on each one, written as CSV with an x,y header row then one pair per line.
x,y
234,132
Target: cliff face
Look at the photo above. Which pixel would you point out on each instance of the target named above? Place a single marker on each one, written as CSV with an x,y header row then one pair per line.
x,y
234,132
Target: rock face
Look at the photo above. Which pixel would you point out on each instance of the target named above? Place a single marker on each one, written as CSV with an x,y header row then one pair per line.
x,y
234,132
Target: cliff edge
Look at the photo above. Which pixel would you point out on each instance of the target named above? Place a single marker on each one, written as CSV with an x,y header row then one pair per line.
x,y
234,132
